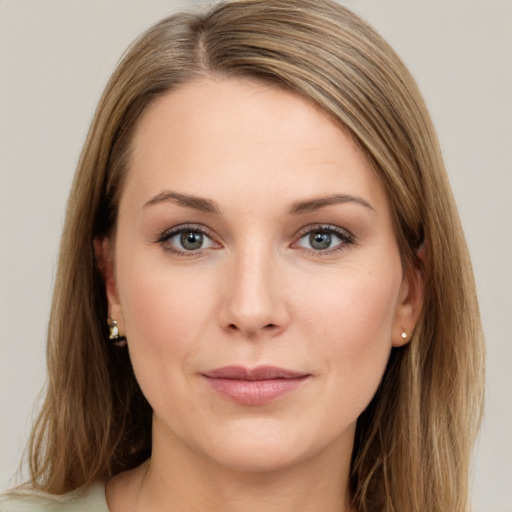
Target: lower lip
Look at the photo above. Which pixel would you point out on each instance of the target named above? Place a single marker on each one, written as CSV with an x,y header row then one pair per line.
x,y
254,392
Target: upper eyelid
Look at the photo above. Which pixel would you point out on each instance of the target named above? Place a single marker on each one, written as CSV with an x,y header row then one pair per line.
x,y
164,239
346,239
337,230
168,233
324,227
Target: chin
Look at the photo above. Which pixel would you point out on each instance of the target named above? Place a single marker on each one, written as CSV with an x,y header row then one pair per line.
x,y
265,447
261,461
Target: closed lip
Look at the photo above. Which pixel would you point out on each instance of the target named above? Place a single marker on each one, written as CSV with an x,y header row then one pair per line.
x,y
254,386
252,374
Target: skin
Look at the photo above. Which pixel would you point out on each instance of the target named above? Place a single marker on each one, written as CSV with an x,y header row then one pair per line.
x,y
257,292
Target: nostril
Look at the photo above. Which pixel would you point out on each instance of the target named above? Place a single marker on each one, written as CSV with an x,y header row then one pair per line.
x,y
268,327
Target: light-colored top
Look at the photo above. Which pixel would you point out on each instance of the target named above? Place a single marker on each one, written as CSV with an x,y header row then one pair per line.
x,y
85,499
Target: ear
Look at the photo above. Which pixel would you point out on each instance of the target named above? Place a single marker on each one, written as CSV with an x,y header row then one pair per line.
x,y
409,305
103,252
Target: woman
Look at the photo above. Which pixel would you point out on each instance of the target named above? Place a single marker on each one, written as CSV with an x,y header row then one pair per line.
x,y
264,298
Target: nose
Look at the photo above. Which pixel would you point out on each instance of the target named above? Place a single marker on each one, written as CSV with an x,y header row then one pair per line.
x,y
254,304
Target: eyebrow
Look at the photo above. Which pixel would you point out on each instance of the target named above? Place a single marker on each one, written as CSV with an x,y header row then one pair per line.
x,y
312,205
188,201
296,208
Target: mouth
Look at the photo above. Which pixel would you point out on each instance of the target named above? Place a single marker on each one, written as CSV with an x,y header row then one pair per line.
x,y
256,386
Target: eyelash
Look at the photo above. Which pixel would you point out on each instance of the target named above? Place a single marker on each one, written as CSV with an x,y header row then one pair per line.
x,y
346,239
166,236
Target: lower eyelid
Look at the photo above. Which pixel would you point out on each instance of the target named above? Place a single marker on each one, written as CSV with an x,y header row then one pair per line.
x,y
164,240
345,239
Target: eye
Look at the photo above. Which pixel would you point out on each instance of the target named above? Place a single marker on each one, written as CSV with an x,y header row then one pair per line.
x,y
186,239
190,240
324,239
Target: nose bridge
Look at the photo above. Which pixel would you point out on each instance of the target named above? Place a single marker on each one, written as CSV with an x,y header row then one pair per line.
x,y
253,303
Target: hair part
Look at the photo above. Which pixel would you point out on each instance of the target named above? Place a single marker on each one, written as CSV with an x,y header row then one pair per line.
x,y
413,442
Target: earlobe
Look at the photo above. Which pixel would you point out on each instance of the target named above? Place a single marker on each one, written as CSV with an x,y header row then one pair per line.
x,y
421,252
105,264
409,306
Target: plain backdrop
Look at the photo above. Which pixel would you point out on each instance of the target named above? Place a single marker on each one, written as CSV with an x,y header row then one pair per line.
x,y
55,58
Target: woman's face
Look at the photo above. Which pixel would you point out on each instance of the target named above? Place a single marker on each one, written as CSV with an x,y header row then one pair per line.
x,y
256,275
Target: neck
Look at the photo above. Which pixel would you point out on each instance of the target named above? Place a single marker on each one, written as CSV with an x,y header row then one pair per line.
x,y
190,481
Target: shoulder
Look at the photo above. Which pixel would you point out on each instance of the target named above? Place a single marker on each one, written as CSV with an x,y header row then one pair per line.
x,y
85,499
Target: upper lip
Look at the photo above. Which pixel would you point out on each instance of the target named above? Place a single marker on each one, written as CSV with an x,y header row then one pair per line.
x,y
258,373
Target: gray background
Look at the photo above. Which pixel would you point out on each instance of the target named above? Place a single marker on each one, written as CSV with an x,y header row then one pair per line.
x,y
55,57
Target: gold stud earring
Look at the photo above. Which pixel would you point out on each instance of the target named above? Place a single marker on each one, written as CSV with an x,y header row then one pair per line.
x,y
119,341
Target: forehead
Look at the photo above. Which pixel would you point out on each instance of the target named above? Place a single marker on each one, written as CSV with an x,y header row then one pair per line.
x,y
211,137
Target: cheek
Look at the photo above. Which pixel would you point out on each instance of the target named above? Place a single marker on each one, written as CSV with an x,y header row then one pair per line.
x,y
354,305
165,315
353,324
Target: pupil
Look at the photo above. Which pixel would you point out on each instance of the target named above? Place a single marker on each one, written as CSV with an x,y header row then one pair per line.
x,y
191,240
320,240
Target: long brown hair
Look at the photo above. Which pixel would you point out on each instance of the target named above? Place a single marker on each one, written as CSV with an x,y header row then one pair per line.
x,y
413,442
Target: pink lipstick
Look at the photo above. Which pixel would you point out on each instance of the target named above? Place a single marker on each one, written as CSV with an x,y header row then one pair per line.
x,y
255,386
